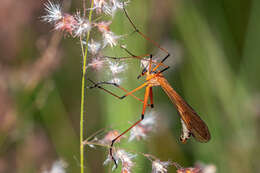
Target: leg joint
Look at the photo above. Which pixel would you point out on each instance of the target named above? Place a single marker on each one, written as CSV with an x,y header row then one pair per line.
x,y
113,141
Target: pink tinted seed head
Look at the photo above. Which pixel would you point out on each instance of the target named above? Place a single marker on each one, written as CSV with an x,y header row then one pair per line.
x,y
99,5
159,166
124,157
125,170
206,168
189,170
141,130
103,26
96,63
110,136
67,24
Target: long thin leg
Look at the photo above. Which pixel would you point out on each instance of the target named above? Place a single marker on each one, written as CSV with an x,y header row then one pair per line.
x,y
163,70
166,68
97,85
134,90
140,57
146,96
161,62
150,60
114,140
127,94
128,57
151,97
150,64
143,35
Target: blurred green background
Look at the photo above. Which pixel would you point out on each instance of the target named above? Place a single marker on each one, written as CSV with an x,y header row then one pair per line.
x,y
214,66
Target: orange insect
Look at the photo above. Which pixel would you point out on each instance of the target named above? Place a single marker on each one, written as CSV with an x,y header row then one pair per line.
x,y
191,122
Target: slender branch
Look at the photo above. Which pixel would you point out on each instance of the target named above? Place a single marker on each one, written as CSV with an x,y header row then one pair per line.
x,y
82,108
84,7
147,156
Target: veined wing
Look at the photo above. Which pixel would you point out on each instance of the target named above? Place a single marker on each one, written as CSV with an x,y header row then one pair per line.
x,y
193,122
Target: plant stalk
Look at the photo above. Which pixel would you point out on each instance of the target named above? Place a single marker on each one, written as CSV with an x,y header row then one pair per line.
x,y
82,107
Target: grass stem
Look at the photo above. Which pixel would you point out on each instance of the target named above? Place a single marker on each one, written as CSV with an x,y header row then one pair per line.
x,y
82,107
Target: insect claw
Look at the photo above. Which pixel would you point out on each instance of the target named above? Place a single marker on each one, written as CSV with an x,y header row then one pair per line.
x,y
114,161
122,97
111,152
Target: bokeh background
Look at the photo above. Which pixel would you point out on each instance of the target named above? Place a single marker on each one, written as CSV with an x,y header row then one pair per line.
x,y
214,66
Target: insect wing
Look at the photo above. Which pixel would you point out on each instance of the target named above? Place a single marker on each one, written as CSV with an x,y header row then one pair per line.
x,y
193,122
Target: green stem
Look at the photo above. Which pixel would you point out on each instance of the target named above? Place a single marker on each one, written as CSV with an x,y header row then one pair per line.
x,y
82,108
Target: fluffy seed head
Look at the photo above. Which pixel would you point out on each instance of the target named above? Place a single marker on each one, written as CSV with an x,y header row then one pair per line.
x,y
124,157
110,136
159,166
94,47
103,26
116,67
189,170
66,24
99,5
96,63
116,80
108,7
140,130
54,13
116,4
206,168
110,38
82,27
58,166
